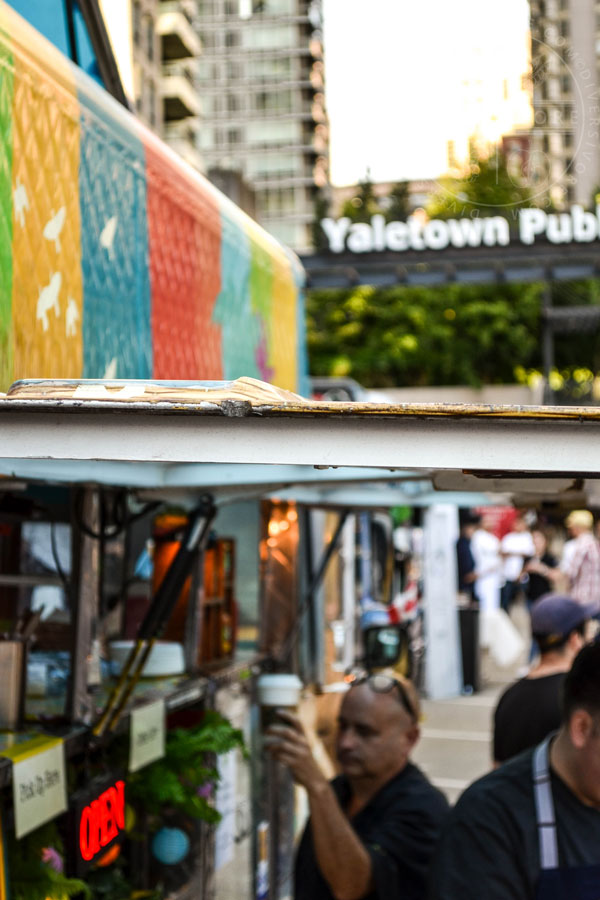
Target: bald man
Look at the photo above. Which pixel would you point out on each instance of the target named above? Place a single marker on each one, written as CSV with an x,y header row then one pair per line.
x,y
373,829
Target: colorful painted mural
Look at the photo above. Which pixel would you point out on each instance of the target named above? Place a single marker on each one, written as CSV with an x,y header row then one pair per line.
x,y
116,258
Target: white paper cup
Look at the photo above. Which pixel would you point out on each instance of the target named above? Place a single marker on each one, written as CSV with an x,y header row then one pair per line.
x,y
277,691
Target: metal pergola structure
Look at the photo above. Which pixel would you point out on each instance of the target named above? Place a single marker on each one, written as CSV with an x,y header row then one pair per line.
x,y
516,263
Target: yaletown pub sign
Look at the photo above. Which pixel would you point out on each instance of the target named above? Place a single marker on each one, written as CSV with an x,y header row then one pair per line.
x,y
575,226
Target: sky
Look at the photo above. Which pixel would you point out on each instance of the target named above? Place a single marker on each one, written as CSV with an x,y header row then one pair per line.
x,y
395,73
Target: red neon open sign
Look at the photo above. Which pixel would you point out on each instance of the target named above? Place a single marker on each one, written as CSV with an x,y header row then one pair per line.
x,y
101,821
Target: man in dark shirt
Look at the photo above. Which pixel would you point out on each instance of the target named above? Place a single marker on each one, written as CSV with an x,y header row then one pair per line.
x,y
530,709
464,556
531,829
371,831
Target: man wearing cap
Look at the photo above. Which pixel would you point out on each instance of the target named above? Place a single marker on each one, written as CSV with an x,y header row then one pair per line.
x,y
530,830
372,831
530,709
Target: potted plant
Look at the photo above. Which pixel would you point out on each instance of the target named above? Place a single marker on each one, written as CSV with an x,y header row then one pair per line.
x,y
173,795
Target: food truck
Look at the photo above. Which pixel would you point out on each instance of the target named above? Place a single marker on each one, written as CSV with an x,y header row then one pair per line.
x,y
134,506
120,261
68,432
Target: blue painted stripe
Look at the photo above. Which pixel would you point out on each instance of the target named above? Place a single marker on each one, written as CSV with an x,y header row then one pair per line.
x,y
117,324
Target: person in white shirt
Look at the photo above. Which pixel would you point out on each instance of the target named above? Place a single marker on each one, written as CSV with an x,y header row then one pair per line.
x,y
515,548
485,548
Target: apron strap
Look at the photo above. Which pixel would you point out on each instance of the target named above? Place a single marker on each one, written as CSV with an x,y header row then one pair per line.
x,y
544,805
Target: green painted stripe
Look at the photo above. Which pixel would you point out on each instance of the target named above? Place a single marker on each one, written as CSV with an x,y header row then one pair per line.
x,y
6,210
261,281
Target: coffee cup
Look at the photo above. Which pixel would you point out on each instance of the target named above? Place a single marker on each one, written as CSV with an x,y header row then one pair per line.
x,y
277,691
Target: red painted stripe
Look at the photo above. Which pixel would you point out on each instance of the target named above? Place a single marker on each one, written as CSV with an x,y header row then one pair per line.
x,y
184,236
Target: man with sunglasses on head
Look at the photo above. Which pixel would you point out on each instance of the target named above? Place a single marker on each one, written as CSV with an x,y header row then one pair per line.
x,y
530,830
373,829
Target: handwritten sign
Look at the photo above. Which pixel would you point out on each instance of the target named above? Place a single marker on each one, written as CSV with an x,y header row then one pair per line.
x,y
226,805
39,783
147,735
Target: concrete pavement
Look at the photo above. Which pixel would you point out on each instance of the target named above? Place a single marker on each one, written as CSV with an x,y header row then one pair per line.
x,y
455,745
456,734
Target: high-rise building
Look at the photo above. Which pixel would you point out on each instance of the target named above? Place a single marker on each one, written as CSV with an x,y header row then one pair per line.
x,y
262,89
131,25
565,53
181,50
158,50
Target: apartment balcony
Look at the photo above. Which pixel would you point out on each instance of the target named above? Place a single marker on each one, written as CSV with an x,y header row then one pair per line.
x,y
176,30
179,93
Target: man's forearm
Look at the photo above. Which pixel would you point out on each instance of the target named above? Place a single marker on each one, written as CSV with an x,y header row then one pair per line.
x,y
343,860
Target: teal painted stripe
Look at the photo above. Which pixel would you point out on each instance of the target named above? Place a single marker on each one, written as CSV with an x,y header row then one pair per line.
x,y
240,325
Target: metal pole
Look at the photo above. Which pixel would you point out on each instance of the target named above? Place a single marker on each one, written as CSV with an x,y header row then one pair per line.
x,y
547,342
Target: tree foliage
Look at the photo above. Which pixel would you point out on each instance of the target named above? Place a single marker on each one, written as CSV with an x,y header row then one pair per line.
x,y
459,334
487,188
398,203
363,204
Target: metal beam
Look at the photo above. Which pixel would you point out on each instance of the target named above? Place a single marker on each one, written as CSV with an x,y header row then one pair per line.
x,y
483,265
560,440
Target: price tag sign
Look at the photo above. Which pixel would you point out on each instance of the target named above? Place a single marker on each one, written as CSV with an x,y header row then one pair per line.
x,y
147,735
39,782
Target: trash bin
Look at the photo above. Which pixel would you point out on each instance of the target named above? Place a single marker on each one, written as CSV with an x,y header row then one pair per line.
x,y
468,617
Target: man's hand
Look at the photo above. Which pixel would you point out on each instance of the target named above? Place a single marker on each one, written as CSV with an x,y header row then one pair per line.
x,y
287,743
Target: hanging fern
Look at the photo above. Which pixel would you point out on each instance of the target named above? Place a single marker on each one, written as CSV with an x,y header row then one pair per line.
x,y
177,780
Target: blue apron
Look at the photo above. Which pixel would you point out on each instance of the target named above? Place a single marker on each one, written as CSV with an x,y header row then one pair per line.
x,y
577,883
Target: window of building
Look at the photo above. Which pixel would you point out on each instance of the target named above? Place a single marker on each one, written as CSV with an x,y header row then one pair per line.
x,y
283,165
152,102
270,37
232,39
232,7
274,101
277,201
136,15
233,103
234,136
150,36
233,70
565,28
270,69
274,131
279,7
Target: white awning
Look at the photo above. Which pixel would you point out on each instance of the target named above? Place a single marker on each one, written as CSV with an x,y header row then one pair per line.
x,y
246,422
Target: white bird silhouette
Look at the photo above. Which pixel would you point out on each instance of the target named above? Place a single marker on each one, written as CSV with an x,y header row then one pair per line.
x,y
107,236
111,370
48,300
54,227
72,318
20,202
